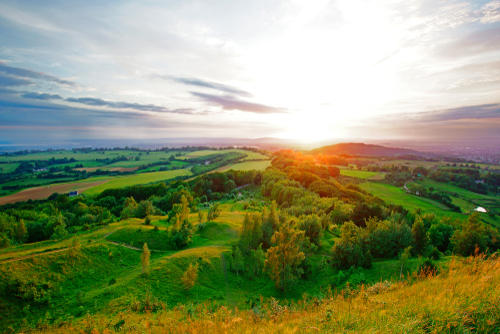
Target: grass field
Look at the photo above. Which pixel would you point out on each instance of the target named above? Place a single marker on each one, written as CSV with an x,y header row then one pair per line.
x,y
249,165
362,174
125,181
250,155
397,196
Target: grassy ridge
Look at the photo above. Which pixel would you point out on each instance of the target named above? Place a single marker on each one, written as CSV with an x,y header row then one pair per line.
x,y
249,165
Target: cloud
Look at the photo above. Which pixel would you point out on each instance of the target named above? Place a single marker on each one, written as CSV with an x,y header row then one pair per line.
x,y
232,103
467,112
473,44
206,84
23,73
41,96
10,81
96,102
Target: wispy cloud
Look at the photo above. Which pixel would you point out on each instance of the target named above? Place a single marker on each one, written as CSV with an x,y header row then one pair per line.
x,y
206,84
231,103
10,81
41,96
96,102
23,73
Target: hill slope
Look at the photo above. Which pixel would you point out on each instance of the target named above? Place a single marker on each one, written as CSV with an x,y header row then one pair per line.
x,y
362,149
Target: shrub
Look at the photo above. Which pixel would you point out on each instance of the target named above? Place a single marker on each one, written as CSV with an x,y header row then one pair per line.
x,y
427,267
112,281
434,254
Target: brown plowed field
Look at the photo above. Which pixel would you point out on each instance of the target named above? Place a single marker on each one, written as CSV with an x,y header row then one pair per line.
x,y
121,169
46,191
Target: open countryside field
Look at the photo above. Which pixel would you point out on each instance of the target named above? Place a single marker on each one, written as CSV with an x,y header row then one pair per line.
x,y
362,174
249,165
46,191
125,181
397,196
250,155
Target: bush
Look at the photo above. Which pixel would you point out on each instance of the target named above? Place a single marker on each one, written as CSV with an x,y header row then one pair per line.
x,y
427,267
434,254
112,281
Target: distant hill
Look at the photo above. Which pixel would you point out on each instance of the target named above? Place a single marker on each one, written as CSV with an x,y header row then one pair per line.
x,y
363,149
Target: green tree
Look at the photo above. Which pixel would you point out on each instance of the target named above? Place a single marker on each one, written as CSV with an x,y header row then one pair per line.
x,y
440,236
129,206
256,261
145,258
59,232
213,212
190,276
403,258
237,261
229,186
472,235
21,230
420,238
311,225
201,217
283,259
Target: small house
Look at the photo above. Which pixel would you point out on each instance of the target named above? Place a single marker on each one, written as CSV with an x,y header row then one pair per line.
x,y
73,193
207,162
479,181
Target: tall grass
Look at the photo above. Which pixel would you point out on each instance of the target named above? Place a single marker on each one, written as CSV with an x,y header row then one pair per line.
x,y
464,298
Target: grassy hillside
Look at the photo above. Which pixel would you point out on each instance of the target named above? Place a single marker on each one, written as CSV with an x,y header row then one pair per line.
x,y
461,299
83,283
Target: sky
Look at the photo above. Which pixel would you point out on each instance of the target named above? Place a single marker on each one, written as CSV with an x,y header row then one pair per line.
x,y
310,70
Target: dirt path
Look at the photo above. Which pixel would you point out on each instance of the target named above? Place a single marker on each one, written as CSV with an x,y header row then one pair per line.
x,y
223,260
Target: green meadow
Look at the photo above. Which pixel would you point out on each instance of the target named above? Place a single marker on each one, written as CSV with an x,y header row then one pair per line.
x,y
125,181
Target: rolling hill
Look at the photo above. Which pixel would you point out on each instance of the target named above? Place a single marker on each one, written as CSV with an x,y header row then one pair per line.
x,y
363,149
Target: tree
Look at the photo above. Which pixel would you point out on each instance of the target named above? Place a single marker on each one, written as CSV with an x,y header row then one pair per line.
x,y
129,206
147,221
420,238
144,209
229,186
311,225
270,225
256,261
21,230
75,248
351,249
440,235
403,257
145,258
472,235
213,212
237,261
334,171
59,232
190,276
283,259
201,217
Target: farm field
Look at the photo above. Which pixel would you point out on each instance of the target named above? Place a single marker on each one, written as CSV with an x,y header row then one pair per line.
x,y
250,155
125,181
249,165
46,191
362,174
397,196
